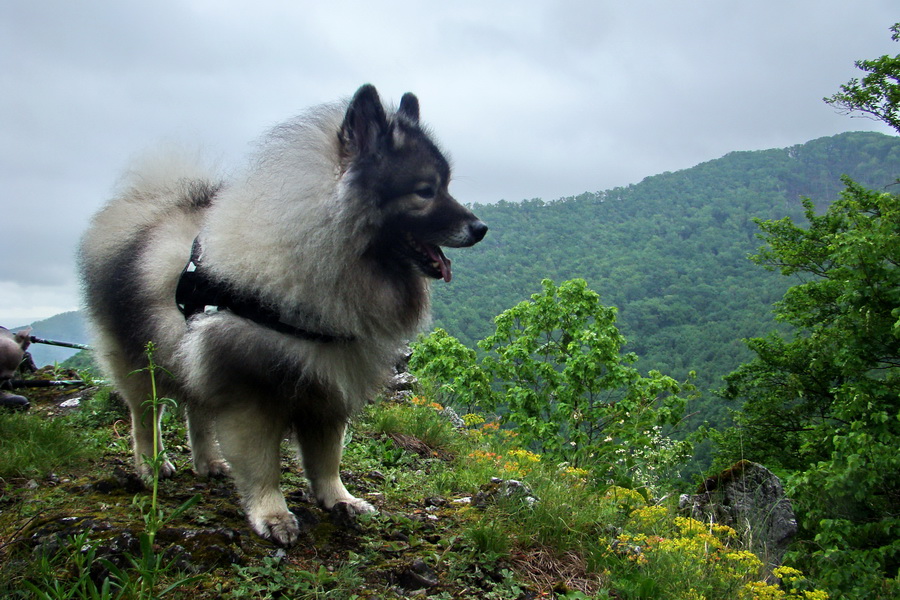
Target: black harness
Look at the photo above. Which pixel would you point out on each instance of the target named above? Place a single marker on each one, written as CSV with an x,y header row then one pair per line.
x,y
198,292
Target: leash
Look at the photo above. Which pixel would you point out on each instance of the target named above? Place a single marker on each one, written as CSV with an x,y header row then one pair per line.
x,y
36,340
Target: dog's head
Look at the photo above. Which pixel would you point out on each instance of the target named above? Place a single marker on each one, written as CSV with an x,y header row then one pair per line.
x,y
391,161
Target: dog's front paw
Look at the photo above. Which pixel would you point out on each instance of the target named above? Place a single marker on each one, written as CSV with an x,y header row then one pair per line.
x,y
212,468
280,528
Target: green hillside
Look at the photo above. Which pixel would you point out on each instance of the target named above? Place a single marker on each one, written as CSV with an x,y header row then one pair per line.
x,y
670,252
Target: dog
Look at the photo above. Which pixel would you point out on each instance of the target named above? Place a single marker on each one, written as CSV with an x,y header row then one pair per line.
x,y
277,300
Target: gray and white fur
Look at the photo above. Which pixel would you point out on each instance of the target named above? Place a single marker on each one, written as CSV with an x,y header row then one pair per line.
x,y
337,225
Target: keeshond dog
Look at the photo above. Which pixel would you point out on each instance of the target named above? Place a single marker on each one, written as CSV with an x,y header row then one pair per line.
x,y
276,301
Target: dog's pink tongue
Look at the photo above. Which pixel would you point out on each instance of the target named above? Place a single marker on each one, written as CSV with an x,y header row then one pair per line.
x,y
437,255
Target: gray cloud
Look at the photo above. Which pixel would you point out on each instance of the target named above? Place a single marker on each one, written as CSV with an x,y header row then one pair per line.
x,y
532,99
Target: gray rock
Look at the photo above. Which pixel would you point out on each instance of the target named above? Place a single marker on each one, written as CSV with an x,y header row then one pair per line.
x,y
455,420
417,575
402,382
751,500
505,488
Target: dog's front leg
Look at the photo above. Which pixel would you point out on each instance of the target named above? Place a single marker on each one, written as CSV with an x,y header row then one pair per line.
x,y
321,450
250,440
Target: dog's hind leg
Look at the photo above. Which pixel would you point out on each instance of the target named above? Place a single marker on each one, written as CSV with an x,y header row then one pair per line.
x,y
250,440
207,457
321,449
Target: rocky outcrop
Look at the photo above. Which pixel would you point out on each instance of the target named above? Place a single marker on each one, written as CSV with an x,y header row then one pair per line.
x,y
750,499
401,384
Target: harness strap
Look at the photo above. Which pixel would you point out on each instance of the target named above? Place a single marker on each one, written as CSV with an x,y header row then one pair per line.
x,y
197,292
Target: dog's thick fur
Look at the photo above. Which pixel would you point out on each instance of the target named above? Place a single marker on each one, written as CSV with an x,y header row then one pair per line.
x,y
336,225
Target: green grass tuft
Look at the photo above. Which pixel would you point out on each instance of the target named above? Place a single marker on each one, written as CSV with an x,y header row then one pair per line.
x,y
32,446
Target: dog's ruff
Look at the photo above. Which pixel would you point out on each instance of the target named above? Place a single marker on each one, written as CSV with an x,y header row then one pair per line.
x,y
335,232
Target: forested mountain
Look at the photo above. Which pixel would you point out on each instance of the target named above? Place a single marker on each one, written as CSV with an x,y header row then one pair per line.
x,y
670,252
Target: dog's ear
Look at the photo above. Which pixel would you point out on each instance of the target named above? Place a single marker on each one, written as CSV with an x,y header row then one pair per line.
x,y
364,122
409,107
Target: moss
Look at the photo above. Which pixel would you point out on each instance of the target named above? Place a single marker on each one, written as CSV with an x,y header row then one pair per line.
x,y
730,474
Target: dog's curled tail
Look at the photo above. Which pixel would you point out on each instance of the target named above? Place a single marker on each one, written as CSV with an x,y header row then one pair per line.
x,y
170,175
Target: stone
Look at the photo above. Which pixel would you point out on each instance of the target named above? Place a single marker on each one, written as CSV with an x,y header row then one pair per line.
x,y
505,488
417,575
402,382
455,420
751,500
14,401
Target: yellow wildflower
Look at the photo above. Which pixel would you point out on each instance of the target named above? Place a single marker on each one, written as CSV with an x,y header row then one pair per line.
x,y
649,517
744,561
524,455
624,498
760,590
576,475
723,530
472,419
788,574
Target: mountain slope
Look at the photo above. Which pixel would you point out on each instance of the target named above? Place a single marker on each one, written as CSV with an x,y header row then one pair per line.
x,y
670,252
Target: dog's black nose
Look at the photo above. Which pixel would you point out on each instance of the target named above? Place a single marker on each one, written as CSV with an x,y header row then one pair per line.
x,y
477,231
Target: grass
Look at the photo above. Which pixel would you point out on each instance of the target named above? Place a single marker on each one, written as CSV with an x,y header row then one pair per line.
x,y
442,523
146,574
273,579
581,538
32,447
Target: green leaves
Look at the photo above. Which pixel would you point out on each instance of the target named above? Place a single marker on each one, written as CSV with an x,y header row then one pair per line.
x,y
555,372
878,93
833,392
442,359
825,402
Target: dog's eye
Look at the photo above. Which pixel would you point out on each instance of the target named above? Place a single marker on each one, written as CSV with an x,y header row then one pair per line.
x,y
426,192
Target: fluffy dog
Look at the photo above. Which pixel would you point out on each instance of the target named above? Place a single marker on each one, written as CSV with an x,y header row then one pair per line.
x,y
277,300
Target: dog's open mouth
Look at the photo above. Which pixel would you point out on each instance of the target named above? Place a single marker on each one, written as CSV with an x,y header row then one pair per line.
x,y
430,259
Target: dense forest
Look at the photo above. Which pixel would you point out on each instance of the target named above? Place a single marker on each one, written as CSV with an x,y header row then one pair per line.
x,y
669,252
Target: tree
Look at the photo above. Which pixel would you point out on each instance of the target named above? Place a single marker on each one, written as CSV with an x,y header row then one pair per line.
x,y
826,403
878,94
452,369
559,378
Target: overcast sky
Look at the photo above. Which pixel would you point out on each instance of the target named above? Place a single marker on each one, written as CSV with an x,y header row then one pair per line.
x,y
531,99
